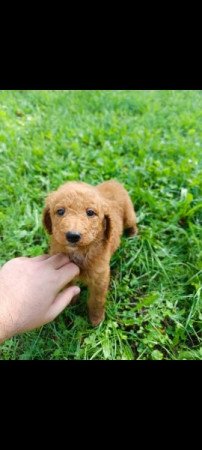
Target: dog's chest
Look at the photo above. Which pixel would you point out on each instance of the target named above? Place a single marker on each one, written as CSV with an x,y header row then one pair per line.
x,y
78,259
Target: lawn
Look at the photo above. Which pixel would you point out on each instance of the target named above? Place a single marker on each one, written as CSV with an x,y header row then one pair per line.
x,y
151,142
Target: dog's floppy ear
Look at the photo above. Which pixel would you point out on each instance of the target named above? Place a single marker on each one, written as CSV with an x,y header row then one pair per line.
x,y
47,219
107,221
107,226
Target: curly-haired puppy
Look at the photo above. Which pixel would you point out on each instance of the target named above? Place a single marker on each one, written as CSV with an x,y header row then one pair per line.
x,y
86,223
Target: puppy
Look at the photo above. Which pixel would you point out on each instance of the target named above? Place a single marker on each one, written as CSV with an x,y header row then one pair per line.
x,y
86,223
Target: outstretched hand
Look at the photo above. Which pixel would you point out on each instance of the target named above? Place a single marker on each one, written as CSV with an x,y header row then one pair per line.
x,y
30,292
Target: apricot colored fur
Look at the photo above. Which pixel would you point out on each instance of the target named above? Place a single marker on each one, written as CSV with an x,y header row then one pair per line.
x,y
100,234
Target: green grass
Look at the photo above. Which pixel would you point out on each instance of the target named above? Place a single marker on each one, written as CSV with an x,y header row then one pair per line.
x,y
151,142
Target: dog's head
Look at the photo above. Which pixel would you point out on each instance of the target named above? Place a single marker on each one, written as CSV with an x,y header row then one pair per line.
x,y
77,215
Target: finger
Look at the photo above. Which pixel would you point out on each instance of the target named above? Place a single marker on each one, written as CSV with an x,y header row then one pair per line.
x,y
21,258
62,300
57,261
40,258
65,274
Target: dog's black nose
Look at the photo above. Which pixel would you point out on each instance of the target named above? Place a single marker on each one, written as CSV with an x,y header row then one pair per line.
x,y
72,236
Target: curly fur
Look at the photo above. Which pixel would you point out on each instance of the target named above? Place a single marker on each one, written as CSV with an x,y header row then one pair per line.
x,y
100,234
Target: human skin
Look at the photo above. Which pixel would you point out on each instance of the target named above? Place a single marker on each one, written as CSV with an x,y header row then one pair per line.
x,y
32,292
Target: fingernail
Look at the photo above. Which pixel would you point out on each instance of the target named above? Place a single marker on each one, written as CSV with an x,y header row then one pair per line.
x,y
77,290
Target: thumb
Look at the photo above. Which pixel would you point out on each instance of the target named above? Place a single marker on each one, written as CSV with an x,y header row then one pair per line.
x,y
61,301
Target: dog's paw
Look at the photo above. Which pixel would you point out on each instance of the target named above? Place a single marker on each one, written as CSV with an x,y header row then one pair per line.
x,y
132,231
96,319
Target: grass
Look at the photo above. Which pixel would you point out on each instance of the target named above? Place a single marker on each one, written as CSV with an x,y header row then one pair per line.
x,y
151,142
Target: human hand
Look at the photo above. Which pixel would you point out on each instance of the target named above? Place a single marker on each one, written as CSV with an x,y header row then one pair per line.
x,y
30,292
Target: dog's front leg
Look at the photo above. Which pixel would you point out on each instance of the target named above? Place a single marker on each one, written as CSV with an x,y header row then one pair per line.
x,y
98,287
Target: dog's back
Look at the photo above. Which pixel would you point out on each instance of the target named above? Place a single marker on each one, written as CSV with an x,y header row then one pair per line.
x,y
111,190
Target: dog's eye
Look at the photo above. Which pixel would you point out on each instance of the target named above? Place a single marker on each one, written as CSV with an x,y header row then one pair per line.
x,y
60,212
90,212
